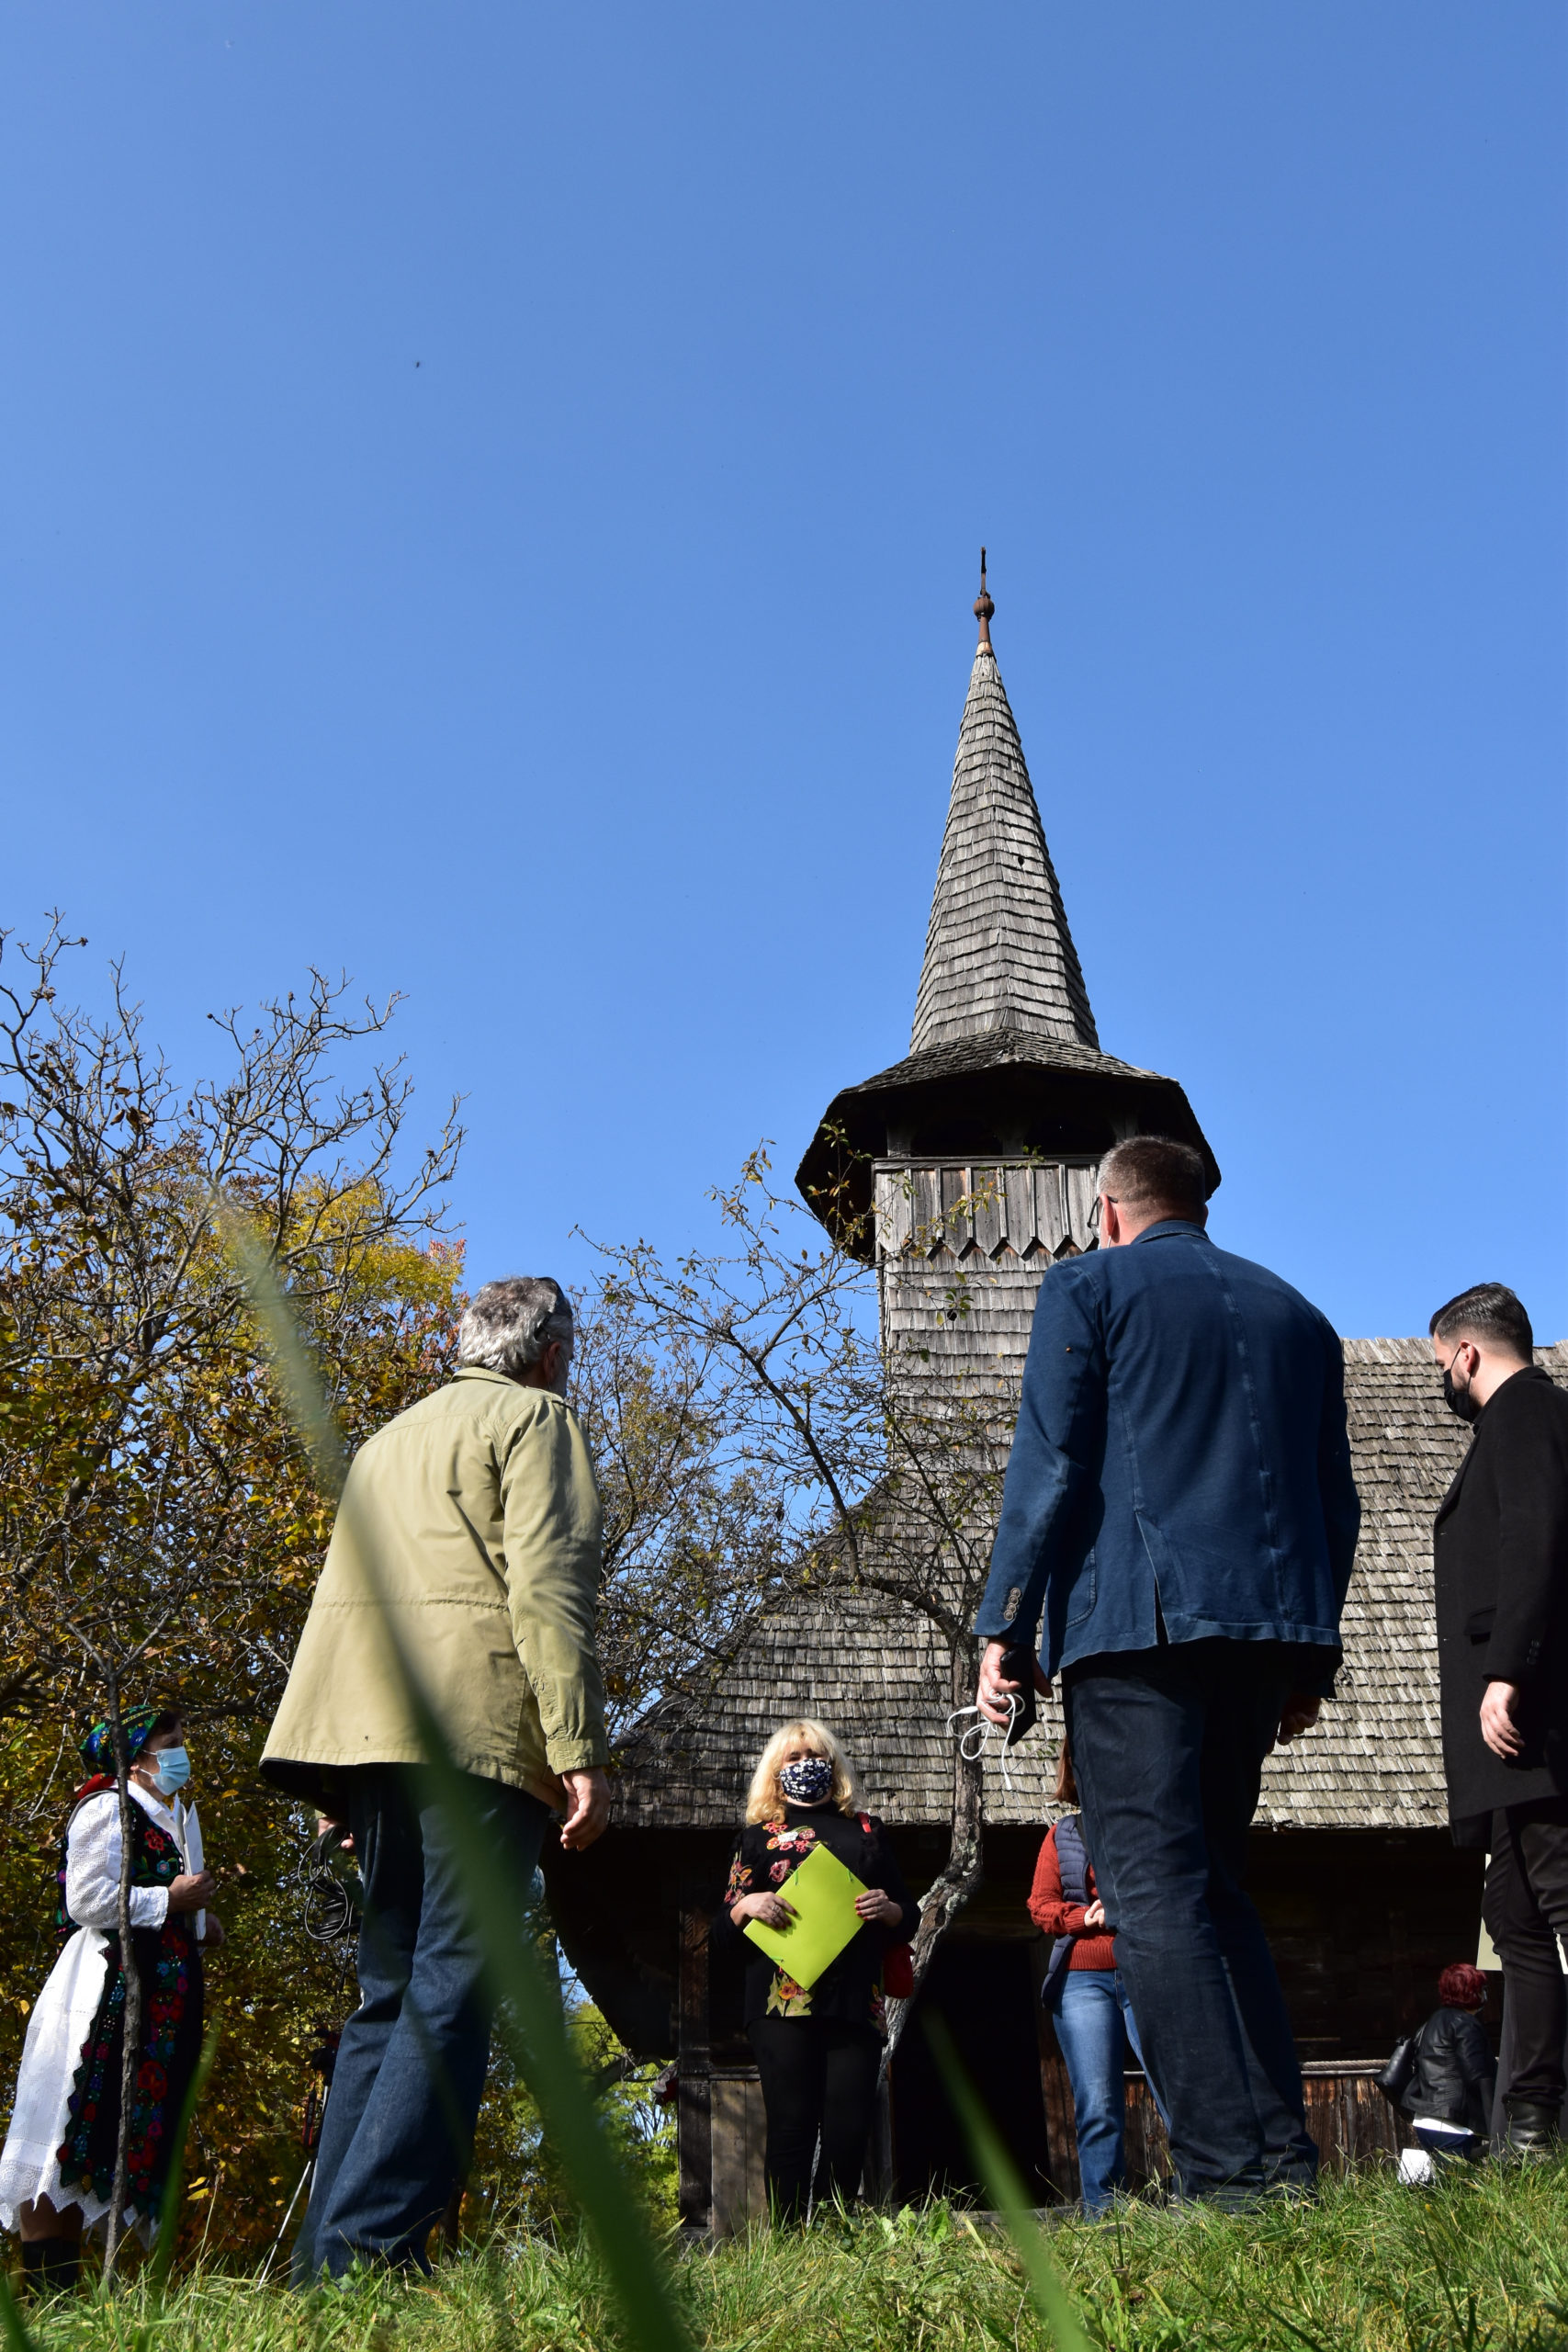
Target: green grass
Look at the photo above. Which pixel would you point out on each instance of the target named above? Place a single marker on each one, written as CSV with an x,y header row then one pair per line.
x,y
1478,2265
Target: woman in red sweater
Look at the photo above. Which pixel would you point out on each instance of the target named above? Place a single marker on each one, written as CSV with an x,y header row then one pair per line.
x,y
1085,1995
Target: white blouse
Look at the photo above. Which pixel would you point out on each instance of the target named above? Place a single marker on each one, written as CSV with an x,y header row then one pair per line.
x,y
92,1864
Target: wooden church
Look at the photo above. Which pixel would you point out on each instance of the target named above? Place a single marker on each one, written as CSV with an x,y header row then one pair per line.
x,y
979,1150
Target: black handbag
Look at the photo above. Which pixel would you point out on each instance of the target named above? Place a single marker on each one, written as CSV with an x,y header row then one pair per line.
x,y
1395,2078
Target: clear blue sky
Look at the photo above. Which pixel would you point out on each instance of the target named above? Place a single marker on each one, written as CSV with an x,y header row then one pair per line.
x,y
492,496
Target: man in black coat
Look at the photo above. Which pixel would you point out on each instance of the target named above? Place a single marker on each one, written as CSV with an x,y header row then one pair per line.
x,y
1501,1570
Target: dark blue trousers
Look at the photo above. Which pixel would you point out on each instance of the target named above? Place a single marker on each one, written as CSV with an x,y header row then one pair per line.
x,y
1168,1748
399,2127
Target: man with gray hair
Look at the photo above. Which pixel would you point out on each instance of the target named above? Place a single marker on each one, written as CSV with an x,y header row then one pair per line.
x,y
1177,1532
466,1552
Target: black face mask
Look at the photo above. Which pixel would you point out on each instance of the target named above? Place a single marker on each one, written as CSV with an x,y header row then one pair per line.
x,y
1459,1400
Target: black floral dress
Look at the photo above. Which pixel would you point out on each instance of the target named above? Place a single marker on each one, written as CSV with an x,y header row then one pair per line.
x,y
766,1852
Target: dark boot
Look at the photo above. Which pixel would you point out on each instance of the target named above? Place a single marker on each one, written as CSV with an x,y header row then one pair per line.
x,y
51,2265
1532,2131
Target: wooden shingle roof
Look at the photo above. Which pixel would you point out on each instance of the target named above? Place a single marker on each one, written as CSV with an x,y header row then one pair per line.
x,y
1002,1047
880,1678
998,953
1004,1039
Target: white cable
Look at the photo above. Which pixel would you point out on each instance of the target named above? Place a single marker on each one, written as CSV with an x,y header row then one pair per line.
x,y
973,1742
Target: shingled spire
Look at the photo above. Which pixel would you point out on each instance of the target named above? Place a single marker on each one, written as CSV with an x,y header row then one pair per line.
x,y
998,953
1005,1071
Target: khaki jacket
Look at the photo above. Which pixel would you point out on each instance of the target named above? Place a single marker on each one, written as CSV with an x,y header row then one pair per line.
x,y
470,1527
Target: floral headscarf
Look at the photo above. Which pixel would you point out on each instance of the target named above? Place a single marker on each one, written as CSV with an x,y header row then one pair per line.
x,y
97,1749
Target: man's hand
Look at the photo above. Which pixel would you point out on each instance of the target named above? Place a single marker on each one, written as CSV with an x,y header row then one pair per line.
x,y
991,1697
1498,1728
589,1816
1095,1915
1299,1713
325,1824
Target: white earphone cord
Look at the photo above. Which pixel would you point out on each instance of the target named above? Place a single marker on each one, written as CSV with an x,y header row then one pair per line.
x,y
973,1742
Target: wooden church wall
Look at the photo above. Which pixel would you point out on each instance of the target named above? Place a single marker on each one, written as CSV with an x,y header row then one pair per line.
x,y
1361,1922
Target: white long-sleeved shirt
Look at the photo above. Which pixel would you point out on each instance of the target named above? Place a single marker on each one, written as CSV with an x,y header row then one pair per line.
x,y
92,1864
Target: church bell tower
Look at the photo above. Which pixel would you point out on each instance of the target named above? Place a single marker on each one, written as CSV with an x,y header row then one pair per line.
x,y
967,1170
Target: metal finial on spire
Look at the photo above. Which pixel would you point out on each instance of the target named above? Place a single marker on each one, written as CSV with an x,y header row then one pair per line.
x,y
984,608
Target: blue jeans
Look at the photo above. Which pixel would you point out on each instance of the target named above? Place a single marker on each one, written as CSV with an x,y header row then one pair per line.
x,y
399,2128
1093,2018
1168,1748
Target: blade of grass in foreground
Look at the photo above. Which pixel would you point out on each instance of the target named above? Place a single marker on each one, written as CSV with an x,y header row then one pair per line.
x,y
174,2186
11,2326
636,2275
1008,2194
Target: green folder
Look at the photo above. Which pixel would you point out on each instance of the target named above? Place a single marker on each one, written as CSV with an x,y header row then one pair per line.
x,y
823,1893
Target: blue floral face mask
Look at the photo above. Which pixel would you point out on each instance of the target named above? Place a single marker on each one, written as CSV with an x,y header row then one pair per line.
x,y
808,1780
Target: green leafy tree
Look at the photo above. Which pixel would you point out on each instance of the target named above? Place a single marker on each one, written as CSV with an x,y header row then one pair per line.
x,y
161,1529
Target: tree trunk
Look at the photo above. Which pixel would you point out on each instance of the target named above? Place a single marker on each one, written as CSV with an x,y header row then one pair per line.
x,y
131,2049
964,1867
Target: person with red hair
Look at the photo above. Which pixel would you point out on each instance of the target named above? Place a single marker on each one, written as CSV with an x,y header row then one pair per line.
x,y
1449,2097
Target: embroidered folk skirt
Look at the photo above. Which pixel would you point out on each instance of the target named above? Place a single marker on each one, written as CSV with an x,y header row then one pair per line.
x,y
66,2120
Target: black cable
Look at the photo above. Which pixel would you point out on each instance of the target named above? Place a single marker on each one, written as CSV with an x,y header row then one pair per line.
x,y
328,1907
330,1904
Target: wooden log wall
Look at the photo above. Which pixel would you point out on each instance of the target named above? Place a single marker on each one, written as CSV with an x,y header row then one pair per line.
x,y
694,2093
1361,1923
1348,2117
739,2126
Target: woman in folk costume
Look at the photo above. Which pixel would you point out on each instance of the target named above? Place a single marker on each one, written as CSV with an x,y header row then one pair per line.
x,y
57,2170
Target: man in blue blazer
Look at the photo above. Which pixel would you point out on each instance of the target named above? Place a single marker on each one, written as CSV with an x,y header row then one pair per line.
x,y
1177,1533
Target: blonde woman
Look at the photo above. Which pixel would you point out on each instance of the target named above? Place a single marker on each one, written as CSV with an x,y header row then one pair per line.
x,y
818,2051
